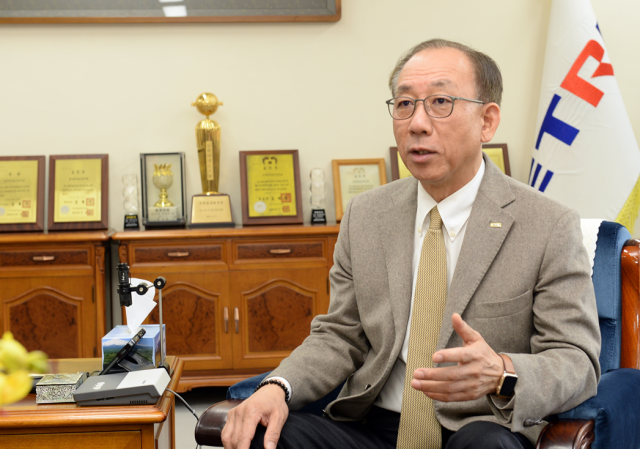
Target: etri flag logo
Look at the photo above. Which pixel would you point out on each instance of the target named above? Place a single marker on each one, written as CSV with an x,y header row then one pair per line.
x,y
585,154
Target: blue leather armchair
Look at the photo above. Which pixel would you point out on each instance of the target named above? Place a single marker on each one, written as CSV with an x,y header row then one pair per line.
x,y
611,419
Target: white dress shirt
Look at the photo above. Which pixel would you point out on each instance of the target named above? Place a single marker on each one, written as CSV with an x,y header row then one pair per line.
x,y
454,210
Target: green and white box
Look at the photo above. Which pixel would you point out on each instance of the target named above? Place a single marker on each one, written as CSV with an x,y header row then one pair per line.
x,y
147,350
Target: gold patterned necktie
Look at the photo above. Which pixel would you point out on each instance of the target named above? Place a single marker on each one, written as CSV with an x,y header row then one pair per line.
x,y
419,427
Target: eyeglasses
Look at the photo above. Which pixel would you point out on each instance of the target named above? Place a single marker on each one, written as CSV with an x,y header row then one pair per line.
x,y
436,106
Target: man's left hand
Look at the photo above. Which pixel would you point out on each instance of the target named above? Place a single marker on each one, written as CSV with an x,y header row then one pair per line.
x,y
477,373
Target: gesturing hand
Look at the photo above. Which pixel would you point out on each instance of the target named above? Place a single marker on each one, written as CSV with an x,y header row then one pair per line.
x,y
267,407
476,374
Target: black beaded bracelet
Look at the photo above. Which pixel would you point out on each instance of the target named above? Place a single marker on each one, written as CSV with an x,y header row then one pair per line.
x,y
275,382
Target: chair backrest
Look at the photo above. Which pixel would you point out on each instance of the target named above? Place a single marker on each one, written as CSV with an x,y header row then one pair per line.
x,y
608,288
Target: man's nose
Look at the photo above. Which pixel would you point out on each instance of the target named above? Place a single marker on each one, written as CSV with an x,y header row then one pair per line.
x,y
420,121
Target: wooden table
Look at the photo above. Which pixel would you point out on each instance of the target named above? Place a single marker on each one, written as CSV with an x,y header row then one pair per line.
x,y
26,424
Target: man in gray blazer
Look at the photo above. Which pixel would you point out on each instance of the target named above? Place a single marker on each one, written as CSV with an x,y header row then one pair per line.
x,y
518,338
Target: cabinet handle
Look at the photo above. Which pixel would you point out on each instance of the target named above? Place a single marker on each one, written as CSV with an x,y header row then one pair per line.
x,y
280,251
179,254
226,320
236,316
43,258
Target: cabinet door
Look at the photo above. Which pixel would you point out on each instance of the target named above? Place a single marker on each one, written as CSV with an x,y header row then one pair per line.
x,y
193,310
56,315
273,310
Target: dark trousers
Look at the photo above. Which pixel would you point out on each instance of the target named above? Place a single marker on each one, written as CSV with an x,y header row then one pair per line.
x,y
380,431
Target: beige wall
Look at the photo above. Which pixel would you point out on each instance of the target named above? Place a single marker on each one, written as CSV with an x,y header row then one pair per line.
x,y
319,88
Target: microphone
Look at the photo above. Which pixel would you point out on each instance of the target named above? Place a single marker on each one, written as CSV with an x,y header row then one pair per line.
x,y
124,285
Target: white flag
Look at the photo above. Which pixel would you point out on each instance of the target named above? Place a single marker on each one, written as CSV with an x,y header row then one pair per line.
x,y
585,154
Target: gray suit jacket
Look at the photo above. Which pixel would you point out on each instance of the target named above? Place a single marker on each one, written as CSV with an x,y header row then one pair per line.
x,y
525,286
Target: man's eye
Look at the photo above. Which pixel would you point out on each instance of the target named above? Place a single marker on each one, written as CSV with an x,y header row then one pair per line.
x,y
404,104
440,101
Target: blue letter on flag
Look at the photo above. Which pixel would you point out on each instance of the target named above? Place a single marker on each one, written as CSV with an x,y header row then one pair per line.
x,y
556,127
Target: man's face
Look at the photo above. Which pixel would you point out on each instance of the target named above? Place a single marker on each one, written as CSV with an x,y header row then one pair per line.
x,y
444,154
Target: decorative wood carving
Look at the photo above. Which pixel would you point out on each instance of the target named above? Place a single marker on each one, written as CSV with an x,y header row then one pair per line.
x,y
630,354
189,314
46,319
44,257
181,253
280,250
99,251
279,316
123,252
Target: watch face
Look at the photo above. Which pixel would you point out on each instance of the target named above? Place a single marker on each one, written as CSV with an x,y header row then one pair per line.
x,y
508,385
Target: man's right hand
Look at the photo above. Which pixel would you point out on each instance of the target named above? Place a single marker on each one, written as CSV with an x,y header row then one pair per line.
x,y
267,407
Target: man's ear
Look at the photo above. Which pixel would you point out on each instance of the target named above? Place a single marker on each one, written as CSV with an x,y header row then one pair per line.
x,y
490,121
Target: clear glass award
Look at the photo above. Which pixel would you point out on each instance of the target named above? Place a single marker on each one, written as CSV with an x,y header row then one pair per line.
x,y
130,195
318,215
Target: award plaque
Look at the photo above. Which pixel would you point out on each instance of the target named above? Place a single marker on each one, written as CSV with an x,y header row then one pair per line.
x,y
211,211
398,169
163,190
499,154
78,192
353,176
270,184
22,193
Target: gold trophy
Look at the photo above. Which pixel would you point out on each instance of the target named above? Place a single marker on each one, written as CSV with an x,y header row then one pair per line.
x,y
211,208
162,179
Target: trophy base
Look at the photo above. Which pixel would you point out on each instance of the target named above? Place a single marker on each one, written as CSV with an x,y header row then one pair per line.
x,y
131,222
148,224
318,216
211,211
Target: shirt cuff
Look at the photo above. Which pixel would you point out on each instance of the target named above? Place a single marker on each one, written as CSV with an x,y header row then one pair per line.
x,y
286,384
502,408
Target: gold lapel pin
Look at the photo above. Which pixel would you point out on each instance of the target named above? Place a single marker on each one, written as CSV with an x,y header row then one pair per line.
x,y
496,225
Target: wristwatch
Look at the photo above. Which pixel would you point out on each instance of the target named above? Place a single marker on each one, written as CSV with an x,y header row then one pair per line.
x,y
507,385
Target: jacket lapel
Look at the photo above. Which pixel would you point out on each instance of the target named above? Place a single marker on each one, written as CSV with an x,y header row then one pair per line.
x,y
396,226
482,241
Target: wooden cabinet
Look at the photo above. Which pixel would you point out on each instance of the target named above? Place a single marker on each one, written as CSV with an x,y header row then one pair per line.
x,y
52,293
237,301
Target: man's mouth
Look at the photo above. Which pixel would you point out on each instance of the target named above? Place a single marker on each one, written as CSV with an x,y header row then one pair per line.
x,y
421,155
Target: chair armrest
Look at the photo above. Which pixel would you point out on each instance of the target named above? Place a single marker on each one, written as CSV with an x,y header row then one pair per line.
x,y
614,410
211,422
567,433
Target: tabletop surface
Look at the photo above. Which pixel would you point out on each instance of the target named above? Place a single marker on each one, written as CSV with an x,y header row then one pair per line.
x,y
26,413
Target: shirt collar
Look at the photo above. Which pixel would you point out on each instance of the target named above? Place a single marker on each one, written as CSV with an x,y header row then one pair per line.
x,y
454,209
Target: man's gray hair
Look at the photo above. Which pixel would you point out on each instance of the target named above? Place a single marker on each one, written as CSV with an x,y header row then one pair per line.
x,y
486,72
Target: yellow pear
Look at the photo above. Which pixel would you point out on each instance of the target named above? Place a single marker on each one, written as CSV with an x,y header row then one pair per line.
x,y
13,356
14,387
37,362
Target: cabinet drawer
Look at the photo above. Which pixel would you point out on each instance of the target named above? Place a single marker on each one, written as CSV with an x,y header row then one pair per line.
x,y
22,258
177,253
269,251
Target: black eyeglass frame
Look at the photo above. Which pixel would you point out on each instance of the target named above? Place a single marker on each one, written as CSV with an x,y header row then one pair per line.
x,y
424,103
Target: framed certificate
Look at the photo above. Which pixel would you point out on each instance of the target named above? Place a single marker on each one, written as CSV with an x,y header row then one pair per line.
x,y
270,185
398,169
499,154
353,176
78,192
164,195
22,193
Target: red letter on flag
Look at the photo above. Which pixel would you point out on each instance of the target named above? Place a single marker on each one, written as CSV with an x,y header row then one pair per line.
x,y
576,85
